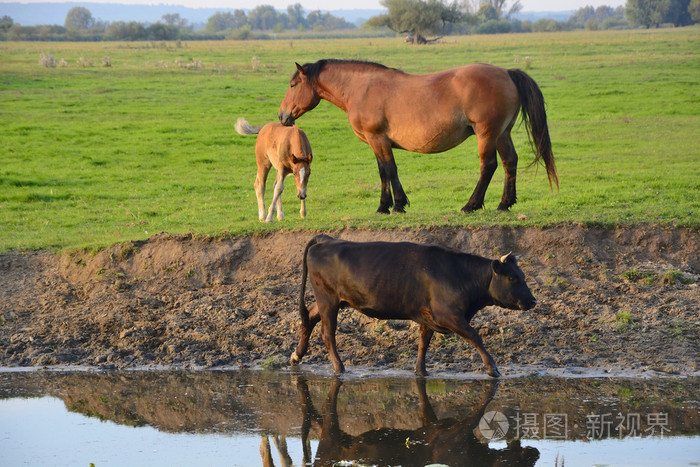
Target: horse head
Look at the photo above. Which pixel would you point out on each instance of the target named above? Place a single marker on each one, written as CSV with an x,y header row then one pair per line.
x,y
300,98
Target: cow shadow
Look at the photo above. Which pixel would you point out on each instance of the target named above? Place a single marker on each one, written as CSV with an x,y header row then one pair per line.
x,y
448,441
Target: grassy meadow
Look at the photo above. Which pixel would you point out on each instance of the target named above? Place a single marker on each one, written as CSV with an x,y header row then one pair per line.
x,y
91,155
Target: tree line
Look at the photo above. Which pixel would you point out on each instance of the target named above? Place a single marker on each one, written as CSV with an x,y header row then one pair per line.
x,y
418,20
81,25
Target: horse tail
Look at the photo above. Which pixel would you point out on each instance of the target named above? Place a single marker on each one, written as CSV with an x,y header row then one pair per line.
x,y
245,128
535,118
303,311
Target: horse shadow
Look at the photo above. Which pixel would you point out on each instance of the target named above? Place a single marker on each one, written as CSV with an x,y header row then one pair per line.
x,y
447,441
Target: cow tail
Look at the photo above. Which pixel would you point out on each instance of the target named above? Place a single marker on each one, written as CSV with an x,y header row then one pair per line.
x,y
303,311
535,118
245,128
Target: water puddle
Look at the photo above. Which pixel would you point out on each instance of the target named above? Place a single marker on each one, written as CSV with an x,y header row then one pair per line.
x,y
249,418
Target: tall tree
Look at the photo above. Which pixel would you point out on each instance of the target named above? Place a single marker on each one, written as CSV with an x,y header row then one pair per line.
x,y
694,10
221,21
417,18
264,17
678,13
646,13
295,14
79,18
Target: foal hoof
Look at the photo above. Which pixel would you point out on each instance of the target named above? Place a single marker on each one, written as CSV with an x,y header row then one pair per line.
x,y
294,359
493,372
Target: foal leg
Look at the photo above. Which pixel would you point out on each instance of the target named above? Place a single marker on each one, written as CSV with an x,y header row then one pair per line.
x,y
277,198
509,159
487,158
260,181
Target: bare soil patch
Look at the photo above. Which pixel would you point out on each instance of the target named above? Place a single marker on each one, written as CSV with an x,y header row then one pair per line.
x,y
622,298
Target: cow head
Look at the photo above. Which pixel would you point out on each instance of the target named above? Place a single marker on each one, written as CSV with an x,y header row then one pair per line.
x,y
508,288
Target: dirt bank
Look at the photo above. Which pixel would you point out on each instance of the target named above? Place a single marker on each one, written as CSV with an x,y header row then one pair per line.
x,y
624,298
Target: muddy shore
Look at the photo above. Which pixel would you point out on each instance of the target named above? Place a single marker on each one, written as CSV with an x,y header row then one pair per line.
x,y
622,299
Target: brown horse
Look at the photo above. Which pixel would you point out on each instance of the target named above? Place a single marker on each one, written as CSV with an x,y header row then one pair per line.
x,y
288,150
388,108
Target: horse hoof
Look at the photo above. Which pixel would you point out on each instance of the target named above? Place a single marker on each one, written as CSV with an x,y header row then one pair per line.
x,y
493,372
382,210
468,209
294,359
400,210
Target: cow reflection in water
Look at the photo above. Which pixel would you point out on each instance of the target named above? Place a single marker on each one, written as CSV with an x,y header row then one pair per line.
x,y
448,441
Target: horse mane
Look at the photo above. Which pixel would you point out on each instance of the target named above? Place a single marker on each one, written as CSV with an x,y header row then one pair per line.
x,y
312,70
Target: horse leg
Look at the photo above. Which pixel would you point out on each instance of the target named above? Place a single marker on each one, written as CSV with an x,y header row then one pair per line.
x,y
277,198
509,159
487,158
423,342
389,175
260,181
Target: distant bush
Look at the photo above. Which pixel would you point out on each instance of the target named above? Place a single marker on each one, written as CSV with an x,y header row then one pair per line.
x,y
47,60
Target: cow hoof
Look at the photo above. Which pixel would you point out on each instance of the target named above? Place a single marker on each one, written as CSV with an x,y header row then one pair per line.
x,y
294,359
493,372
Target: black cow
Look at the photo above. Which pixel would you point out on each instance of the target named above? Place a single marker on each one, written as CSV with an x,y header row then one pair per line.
x,y
439,288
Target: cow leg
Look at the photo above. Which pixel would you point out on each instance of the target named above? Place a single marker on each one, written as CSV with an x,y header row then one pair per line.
x,y
423,342
487,158
509,159
470,334
329,324
304,333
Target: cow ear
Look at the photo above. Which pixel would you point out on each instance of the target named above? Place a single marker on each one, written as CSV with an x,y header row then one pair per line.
x,y
497,266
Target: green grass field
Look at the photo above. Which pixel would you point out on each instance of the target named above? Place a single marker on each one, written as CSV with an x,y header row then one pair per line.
x,y
92,155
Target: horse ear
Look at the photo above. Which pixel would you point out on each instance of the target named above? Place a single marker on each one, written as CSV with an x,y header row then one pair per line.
x,y
299,67
309,158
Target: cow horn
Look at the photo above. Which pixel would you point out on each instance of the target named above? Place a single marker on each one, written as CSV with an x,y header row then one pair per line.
x,y
504,258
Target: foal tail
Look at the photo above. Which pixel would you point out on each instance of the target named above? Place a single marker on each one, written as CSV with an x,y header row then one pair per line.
x,y
245,128
535,118
303,311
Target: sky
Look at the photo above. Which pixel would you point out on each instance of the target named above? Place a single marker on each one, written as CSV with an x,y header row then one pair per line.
x,y
528,5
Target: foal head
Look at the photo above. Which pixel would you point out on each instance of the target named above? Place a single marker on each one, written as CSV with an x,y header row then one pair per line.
x,y
301,96
301,158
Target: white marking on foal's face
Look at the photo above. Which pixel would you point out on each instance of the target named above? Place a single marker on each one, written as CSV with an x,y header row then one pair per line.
x,y
302,172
